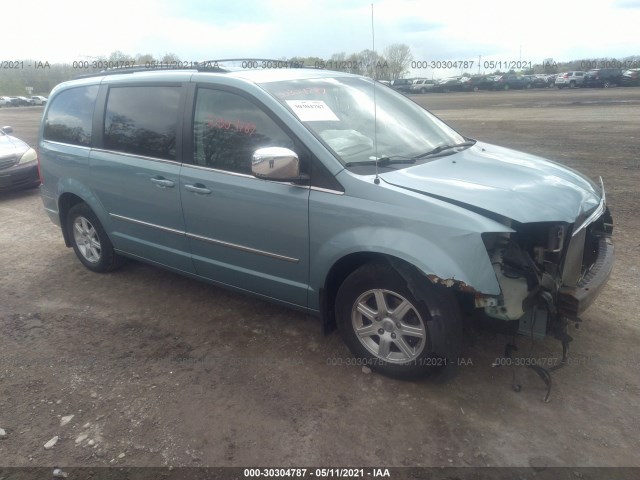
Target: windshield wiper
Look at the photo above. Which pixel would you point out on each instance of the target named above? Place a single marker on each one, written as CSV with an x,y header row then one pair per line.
x,y
382,161
443,148
398,159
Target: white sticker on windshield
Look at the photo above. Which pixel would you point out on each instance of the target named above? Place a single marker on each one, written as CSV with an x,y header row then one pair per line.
x,y
312,111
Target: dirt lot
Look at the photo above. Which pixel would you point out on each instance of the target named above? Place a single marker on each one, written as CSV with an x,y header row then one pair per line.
x,y
157,369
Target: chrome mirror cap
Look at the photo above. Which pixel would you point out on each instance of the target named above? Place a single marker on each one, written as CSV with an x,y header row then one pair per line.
x,y
275,163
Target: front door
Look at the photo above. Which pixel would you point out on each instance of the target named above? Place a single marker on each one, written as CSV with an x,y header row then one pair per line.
x,y
243,231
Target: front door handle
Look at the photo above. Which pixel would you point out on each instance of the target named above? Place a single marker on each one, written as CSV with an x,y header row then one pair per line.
x,y
162,182
198,188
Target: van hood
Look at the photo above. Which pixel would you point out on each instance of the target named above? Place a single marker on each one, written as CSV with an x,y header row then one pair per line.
x,y
516,185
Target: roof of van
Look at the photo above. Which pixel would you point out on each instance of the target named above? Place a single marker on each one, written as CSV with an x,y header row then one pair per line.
x,y
257,75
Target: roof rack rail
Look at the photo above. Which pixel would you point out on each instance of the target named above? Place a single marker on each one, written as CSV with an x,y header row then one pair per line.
x,y
206,66
202,66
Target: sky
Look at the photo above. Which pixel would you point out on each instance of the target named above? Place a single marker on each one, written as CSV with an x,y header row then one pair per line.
x,y
511,30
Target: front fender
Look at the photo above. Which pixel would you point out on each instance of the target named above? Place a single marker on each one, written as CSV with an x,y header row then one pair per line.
x,y
460,255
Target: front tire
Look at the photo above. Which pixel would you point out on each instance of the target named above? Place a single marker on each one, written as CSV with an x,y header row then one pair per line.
x,y
398,324
90,241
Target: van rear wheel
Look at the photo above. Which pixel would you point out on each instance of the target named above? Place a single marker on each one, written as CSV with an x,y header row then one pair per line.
x,y
90,241
398,324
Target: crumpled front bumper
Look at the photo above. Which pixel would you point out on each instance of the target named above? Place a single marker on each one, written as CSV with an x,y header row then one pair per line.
x,y
573,301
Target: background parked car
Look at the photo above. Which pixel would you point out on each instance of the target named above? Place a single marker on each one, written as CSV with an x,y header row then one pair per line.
x,y
551,80
479,82
571,79
5,102
631,78
18,162
38,100
422,85
20,101
536,81
508,81
602,77
401,85
452,84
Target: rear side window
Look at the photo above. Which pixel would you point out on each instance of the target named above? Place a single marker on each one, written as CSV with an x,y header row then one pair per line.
x,y
142,120
70,116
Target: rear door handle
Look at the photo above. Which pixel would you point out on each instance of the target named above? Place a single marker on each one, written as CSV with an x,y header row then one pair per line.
x,y
198,188
162,182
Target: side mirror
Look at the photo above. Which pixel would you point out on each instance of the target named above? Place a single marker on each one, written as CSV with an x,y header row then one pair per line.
x,y
276,163
7,130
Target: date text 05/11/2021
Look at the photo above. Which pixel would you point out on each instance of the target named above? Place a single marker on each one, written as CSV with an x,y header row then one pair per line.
x,y
317,472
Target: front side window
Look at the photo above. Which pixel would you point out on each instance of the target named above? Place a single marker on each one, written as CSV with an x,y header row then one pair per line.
x,y
228,128
142,120
70,116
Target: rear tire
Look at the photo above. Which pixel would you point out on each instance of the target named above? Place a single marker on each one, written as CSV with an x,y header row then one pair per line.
x,y
90,241
398,323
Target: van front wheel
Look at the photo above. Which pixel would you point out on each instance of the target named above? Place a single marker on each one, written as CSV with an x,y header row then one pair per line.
x,y
398,324
90,241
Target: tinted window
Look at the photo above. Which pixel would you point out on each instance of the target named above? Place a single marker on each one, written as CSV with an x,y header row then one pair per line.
x,y
70,116
228,128
142,121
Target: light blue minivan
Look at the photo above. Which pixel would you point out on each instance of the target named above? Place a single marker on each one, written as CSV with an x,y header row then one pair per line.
x,y
327,192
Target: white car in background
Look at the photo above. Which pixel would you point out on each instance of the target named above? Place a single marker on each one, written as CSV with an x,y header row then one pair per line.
x,y
571,79
38,100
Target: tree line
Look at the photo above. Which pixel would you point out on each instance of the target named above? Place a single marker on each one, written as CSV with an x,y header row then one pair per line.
x,y
393,63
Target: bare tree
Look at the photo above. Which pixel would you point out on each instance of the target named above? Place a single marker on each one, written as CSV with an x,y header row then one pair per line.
x,y
398,56
119,56
144,58
374,65
170,57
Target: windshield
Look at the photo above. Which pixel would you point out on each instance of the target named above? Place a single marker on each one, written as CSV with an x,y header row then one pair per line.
x,y
340,111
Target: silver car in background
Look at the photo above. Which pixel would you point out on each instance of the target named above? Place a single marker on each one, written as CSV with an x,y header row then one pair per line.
x,y
18,163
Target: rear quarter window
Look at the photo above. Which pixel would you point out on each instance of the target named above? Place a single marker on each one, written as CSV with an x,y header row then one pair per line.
x,y
70,116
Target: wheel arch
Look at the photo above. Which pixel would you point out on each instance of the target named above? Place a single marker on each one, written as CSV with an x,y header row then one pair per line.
x,y
347,264
66,202
71,192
